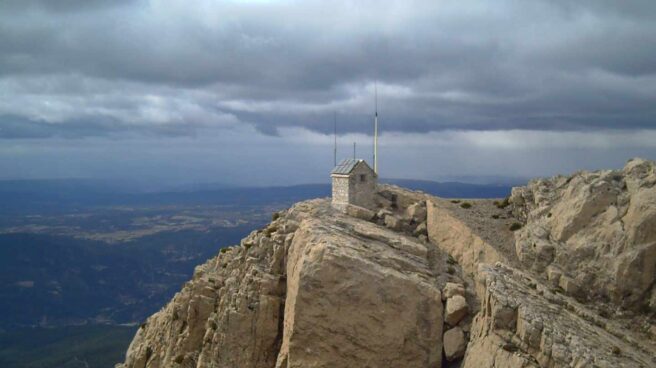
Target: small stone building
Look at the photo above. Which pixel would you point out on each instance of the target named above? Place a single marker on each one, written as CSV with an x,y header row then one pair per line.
x,y
354,182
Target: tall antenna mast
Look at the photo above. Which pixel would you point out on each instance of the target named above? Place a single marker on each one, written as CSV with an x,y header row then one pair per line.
x,y
335,145
354,150
376,128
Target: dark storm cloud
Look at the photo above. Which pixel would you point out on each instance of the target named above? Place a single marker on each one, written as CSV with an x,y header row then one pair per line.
x,y
16,127
76,68
60,5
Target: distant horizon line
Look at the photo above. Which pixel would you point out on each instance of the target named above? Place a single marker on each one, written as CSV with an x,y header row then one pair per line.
x,y
172,185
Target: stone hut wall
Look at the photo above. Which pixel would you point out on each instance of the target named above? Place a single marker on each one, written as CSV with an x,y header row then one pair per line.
x,y
340,191
362,191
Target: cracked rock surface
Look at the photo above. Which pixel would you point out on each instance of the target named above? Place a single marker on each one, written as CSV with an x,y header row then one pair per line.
x,y
522,323
593,233
315,288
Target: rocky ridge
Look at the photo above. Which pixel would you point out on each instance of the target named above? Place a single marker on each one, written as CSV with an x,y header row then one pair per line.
x,y
310,289
421,281
593,234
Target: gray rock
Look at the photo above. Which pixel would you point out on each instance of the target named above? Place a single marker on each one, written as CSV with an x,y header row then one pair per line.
x,y
421,229
381,214
522,324
452,289
456,309
454,344
393,223
417,212
360,212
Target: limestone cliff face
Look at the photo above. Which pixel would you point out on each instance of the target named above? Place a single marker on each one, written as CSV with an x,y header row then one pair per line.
x,y
314,289
593,234
524,323
421,281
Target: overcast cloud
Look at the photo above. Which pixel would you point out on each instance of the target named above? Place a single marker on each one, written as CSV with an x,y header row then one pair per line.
x,y
479,83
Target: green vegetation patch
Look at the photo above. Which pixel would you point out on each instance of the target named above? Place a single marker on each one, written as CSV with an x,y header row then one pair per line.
x,y
503,204
558,290
466,205
515,226
269,230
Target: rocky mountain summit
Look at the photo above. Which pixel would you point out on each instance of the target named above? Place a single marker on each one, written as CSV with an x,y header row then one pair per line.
x,y
560,274
593,234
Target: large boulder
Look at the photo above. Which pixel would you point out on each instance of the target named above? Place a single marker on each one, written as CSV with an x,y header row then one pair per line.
x,y
453,289
360,212
335,292
421,229
456,309
417,212
394,223
454,344
352,302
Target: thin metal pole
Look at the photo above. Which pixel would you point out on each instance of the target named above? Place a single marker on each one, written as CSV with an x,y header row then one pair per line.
x,y
335,145
376,129
354,150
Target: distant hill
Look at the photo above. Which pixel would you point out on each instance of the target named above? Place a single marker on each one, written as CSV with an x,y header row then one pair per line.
x,y
38,196
45,196
453,189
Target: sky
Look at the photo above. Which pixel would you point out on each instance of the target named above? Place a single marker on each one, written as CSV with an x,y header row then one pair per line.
x,y
246,92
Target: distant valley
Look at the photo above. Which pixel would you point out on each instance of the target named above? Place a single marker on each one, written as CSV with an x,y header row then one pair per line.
x,y
75,253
